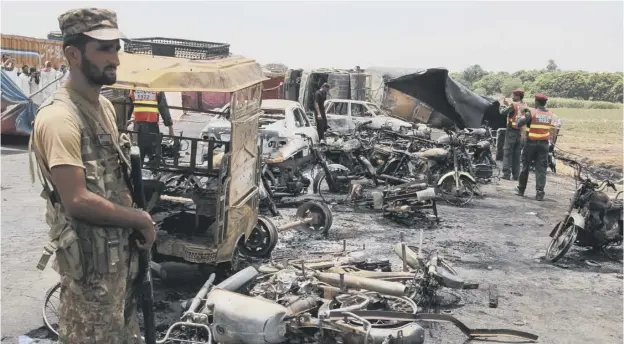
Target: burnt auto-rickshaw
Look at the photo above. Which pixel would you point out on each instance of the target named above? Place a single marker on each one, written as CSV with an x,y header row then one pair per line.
x,y
206,212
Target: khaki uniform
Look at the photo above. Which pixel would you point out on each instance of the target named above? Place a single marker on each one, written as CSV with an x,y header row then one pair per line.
x,y
98,265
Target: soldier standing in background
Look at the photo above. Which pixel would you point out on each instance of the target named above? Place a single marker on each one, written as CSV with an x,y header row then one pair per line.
x,y
319,106
79,154
513,148
539,123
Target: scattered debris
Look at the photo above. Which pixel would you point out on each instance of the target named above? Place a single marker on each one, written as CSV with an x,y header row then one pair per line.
x,y
493,296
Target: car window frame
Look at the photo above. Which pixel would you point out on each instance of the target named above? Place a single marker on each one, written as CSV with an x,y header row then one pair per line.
x,y
364,108
293,110
306,120
342,104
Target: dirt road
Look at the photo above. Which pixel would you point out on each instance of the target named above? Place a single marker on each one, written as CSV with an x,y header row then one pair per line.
x,y
498,239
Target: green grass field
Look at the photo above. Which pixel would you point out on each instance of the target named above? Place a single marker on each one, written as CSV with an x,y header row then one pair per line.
x,y
595,134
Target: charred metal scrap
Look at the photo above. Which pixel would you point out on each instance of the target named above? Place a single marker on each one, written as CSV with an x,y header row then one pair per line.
x,y
329,300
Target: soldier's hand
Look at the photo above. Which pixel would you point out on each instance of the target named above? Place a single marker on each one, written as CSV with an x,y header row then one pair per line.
x,y
147,231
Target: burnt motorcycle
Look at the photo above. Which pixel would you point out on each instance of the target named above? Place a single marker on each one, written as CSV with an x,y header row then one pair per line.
x,y
593,218
272,190
349,162
479,142
450,169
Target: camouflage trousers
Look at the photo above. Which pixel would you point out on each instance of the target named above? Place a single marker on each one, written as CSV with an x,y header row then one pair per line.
x,y
100,308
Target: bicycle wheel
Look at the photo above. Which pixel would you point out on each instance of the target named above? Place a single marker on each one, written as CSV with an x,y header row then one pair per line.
x,y
51,304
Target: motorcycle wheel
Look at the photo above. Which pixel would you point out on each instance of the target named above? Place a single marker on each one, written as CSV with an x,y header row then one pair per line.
x,y
465,192
560,245
321,187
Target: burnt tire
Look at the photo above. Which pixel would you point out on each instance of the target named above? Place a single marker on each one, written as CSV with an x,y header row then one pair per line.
x,y
323,217
568,234
448,194
338,195
261,241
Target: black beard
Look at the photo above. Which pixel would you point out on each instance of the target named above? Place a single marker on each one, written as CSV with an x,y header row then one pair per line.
x,y
94,75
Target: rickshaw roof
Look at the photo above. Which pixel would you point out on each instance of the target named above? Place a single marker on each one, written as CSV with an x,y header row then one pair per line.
x,y
171,74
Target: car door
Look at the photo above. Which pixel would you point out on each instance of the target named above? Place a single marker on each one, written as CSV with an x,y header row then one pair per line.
x,y
360,114
303,88
338,118
306,128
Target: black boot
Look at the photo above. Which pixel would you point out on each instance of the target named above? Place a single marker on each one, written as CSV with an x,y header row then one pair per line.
x,y
539,195
506,177
519,191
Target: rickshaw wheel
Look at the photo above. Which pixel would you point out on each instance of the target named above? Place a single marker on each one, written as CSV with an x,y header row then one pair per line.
x,y
321,215
262,240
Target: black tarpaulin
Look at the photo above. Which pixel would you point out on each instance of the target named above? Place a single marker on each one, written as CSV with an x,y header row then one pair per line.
x,y
449,98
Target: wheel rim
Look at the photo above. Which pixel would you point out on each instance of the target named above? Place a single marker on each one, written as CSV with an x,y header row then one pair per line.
x,y
559,245
261,241
328,194
50,309
457,196
391,303
258,239
321,215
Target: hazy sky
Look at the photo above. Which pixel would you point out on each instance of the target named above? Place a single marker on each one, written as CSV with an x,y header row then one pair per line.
x,y
497,35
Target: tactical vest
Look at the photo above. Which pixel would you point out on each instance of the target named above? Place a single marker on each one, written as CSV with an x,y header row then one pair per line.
x,y
518,109
82,248
541,125
145,113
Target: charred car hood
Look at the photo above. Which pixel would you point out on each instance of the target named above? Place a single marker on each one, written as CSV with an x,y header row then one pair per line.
x,y
449,98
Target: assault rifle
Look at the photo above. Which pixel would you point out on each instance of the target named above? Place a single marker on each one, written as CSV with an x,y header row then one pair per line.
x,y
147,293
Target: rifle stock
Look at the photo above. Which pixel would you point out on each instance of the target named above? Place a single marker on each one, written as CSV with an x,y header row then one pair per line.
x,y
147,293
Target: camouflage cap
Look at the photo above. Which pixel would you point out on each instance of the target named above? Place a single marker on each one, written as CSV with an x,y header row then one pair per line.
x,y
97,23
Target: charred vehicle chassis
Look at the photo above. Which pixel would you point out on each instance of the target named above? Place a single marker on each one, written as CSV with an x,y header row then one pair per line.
x,y
335,299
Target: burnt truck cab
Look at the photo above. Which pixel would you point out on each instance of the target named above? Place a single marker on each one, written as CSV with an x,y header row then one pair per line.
x,y
205,213
344,84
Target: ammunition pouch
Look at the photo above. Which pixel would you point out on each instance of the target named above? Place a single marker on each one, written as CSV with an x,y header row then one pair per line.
x,y
69,255
87,250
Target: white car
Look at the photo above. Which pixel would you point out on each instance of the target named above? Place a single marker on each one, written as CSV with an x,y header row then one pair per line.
x,y
343,115
280,124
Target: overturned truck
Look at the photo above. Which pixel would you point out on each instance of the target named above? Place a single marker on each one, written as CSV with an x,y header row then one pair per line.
x,y
432,97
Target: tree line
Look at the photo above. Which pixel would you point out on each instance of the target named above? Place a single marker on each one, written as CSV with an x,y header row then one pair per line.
x,y
551,81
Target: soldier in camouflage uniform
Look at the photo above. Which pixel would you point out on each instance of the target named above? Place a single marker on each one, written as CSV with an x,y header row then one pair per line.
x,y
82,162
